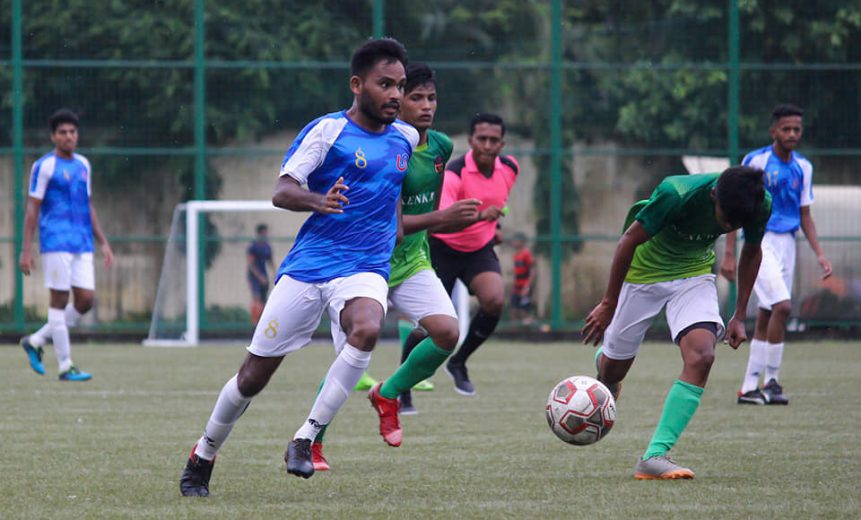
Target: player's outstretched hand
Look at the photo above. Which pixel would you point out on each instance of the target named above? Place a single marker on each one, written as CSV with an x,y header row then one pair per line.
x,y
108,253
825,265
735,333
462,211
334,201
727,268
491,213
597,322
26,263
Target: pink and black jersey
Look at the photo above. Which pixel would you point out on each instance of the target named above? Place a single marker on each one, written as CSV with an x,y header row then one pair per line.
x,y
463,180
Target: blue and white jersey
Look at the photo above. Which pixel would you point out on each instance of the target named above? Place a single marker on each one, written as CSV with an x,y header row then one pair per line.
x,y
373,165
790,184
63,186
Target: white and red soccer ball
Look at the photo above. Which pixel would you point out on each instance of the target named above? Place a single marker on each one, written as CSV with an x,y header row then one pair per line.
x,y
580,410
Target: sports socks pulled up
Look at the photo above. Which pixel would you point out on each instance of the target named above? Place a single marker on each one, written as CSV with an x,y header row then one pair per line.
x,y
773,360
229,407
60,337
679,407
340,380
756,361
480,328
422,362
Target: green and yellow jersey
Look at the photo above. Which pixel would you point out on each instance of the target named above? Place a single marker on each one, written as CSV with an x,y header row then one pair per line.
x,y
680,218
418,196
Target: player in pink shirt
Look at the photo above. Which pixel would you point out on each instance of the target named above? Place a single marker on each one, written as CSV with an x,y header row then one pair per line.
x,y
468,255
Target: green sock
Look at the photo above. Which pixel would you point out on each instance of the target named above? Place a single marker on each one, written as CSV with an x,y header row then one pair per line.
x,y
680,406
322,432
404,329
422,363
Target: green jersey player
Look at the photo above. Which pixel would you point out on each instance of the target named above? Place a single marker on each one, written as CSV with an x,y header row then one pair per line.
x,y
664,259
414,288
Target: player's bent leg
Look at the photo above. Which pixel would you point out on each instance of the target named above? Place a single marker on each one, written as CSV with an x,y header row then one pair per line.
x,y
34,355
772,390
611,372
749,393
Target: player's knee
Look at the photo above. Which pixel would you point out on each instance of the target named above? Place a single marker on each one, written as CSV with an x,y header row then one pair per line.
x,y
493,305
701,359
364,335
781,309
84,304
446,337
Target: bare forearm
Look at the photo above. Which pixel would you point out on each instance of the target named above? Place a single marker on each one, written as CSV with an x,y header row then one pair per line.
x,y
748,268
809,228
29,229
729,250
416,223
294,198
97,227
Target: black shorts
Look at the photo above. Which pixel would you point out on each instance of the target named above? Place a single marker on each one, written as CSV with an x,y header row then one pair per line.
x,y
451,264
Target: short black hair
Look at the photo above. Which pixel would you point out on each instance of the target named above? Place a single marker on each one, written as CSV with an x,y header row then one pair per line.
x,y
740,191
372,51
785,110
261,227
64,115
484,117
419,74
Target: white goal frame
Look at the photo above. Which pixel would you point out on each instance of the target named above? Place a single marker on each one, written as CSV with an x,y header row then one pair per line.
x,y
193,209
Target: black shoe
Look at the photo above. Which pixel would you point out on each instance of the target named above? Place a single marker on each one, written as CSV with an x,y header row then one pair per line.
x,y
406,407
461,378
194,481
299,459
773,393
751,397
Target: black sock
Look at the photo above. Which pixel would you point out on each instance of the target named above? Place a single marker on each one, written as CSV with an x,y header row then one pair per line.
x,y
480,328
415,337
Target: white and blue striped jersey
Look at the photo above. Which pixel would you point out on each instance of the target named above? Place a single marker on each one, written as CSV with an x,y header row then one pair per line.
x,y
63,186
373,165
790,184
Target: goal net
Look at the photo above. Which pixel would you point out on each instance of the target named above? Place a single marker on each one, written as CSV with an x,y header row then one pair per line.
x,y
203,291
186,288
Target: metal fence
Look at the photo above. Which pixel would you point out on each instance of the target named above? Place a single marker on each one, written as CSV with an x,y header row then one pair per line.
x,y
586,155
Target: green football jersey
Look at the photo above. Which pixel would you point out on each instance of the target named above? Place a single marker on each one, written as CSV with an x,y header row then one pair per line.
x,y
680,218
418,195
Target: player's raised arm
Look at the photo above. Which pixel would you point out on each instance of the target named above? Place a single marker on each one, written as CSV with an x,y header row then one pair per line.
x,y
600,317
289,195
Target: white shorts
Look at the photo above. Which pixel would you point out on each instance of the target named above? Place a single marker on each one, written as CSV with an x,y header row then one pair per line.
x,y
293,311
774,281
688,301
422,295
66,270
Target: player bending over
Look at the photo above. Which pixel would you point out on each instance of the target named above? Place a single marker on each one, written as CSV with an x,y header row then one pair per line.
x,y
664,259
340,261
414,288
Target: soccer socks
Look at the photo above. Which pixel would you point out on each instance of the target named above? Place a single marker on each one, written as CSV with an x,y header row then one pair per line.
x,y
322,433
681,404
72,315
420,365
340,380
480,328
773,359
40,337
231,404
60,337
756,362
404,329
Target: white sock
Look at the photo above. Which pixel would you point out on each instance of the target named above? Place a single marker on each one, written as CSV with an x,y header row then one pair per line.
x,y
343,375
38,338
773,360
60,336
755,365
72,315
231,404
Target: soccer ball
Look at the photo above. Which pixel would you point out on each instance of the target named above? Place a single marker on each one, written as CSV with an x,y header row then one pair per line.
x,y
580,410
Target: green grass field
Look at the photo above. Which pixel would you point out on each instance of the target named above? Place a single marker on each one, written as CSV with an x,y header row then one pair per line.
x,y
114,447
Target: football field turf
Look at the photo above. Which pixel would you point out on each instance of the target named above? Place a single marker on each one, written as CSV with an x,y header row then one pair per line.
x,y
114,447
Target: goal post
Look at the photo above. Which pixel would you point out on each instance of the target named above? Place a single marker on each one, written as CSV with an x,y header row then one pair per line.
x,y
175,325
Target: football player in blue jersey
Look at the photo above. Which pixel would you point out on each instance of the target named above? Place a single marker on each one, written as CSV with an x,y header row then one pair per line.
x,y
353,163
60,190
789,179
